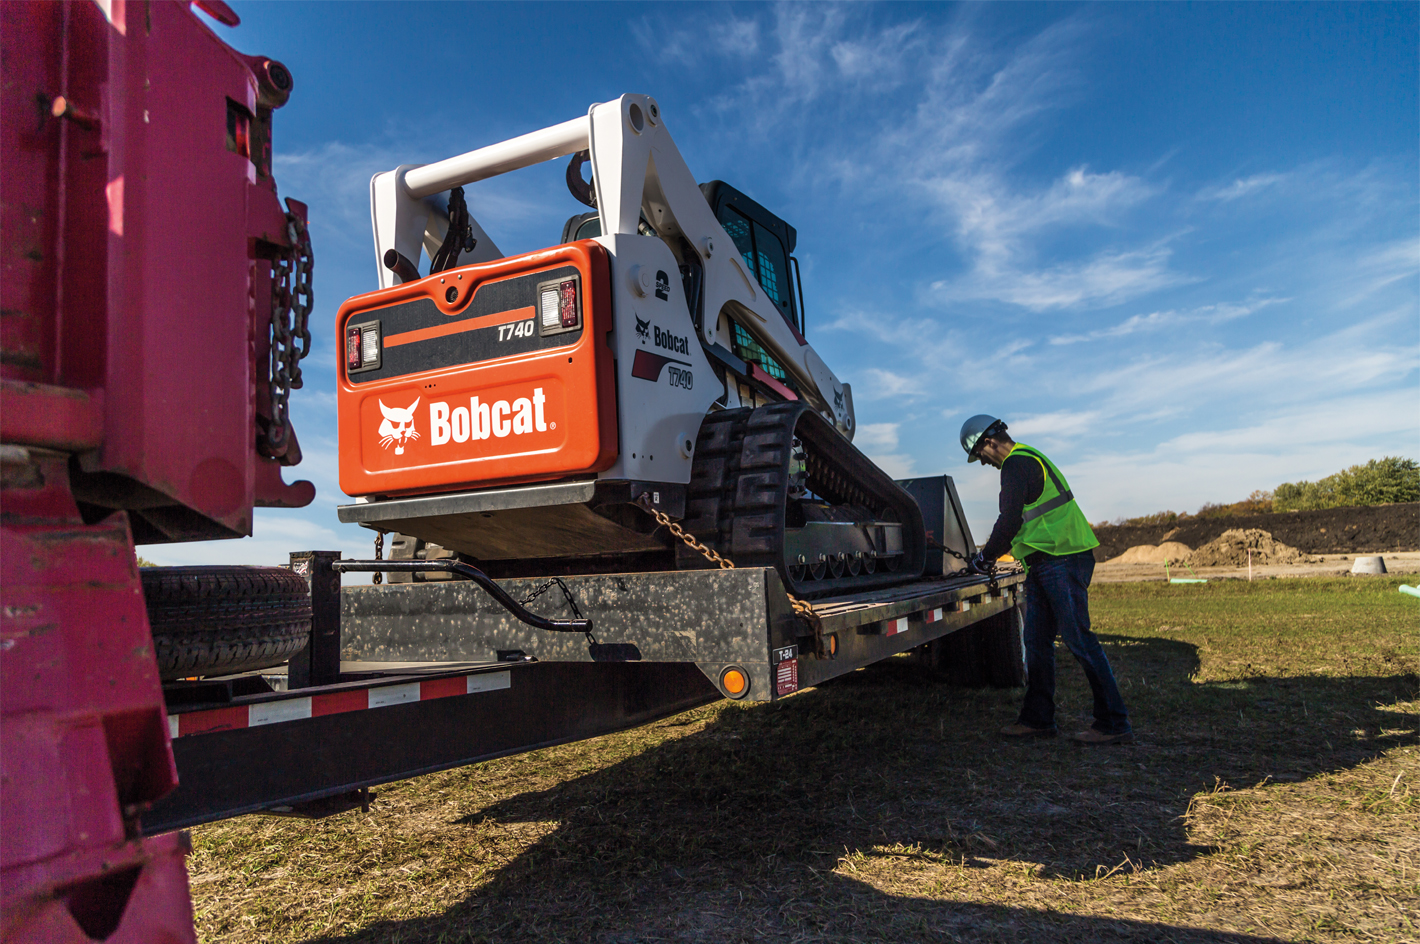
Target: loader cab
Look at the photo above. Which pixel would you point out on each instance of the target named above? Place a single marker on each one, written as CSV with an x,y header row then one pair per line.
x,y
764,241
766,244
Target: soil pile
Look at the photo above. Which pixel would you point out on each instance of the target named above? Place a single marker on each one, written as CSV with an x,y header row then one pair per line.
x,y
1231,547
1370,530
1169,551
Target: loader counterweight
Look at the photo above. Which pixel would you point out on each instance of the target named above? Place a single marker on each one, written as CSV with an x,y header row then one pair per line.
x,y
491,373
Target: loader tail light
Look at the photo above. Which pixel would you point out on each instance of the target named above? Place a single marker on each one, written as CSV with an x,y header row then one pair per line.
x,y
548,309
557,306
567,298
362,347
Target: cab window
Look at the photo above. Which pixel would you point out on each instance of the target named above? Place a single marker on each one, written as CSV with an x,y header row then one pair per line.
x,y
763,254
771,267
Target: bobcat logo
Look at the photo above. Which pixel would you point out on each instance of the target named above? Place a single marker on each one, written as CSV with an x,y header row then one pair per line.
x,y
398,426
838,399
643,328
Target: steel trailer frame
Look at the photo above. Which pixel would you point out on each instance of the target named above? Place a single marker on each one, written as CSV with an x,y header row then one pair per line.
x,y
438,675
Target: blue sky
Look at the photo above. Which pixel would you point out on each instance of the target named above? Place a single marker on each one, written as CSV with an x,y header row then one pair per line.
x,y
1176,246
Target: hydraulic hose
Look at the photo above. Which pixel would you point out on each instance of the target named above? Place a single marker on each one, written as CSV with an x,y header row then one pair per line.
x,y
468,572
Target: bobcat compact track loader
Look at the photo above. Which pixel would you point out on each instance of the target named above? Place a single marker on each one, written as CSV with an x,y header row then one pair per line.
x,y
528,412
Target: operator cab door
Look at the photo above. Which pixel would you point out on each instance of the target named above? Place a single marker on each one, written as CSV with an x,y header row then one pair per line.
x,y
764,241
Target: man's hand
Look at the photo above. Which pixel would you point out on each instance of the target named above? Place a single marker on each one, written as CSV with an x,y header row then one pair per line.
x,y
979,565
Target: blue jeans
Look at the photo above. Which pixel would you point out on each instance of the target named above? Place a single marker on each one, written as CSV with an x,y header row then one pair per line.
x,y
1058,601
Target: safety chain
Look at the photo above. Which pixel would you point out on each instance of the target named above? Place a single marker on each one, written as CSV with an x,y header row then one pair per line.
x,y
291,302
991,574
379,555
801,608
571,602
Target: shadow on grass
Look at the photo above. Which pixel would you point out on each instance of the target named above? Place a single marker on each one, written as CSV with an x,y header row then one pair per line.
x,y
734,832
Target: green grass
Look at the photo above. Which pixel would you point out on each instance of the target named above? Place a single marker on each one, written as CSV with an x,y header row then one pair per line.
x,y
1273,795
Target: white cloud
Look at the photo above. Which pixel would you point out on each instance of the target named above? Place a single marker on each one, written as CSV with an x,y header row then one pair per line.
x,y
876,436
1225,193
889,385
1108,278
1135,324
1062,423
1228,463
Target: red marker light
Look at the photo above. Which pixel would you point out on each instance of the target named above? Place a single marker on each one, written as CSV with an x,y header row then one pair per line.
x,y
567,293
352,348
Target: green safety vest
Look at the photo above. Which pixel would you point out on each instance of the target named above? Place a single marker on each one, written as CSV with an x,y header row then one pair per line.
x,y
1053,523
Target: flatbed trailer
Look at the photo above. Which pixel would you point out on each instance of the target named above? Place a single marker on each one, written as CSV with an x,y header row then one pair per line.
x,y
405,679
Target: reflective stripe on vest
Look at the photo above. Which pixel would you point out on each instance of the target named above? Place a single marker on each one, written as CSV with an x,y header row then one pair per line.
x,y
1065,497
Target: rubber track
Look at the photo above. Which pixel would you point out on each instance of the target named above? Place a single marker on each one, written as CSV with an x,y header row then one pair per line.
x,y
222,620
739,485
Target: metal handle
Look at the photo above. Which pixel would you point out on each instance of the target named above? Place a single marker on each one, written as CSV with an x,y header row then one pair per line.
x,y
468,572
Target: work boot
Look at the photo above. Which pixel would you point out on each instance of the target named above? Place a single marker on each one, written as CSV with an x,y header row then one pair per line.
x,y
1019,730
1095,736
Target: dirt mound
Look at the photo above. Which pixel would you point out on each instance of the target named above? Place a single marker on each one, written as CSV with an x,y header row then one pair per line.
x,y
1231,548
1370,530
1170,551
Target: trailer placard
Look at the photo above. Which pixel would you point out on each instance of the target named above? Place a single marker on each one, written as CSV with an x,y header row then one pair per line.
x,y
786,672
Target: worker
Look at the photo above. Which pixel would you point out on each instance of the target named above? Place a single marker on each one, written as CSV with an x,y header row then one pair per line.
x,y
1043,527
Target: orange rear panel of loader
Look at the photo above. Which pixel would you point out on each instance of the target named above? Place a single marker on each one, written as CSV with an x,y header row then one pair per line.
x,y
486,374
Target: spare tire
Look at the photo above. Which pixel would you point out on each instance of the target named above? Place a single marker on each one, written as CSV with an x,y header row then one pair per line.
x,y
215,620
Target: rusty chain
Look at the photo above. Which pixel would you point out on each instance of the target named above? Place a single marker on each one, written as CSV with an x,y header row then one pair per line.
x,y
379,555
291,301
801,608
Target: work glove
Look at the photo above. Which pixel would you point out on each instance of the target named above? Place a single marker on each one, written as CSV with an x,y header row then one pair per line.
x,y
979,565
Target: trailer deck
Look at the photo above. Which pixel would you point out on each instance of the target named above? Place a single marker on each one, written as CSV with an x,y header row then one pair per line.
x,y
406,679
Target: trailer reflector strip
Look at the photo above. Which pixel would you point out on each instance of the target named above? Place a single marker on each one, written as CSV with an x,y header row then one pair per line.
x,y
893,627
488,683
394,694
332,703
273,712
934,616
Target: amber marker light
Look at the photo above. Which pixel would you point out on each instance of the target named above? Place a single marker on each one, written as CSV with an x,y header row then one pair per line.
x,y
734,681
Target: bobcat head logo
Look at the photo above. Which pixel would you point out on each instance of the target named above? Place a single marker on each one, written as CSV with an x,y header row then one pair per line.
x,y
838,399
398,426
643,328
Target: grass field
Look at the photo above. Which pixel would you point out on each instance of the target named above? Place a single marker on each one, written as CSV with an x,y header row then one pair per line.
x,y
1274,794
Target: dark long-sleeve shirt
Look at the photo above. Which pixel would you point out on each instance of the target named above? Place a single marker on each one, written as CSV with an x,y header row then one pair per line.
x,y
1022,481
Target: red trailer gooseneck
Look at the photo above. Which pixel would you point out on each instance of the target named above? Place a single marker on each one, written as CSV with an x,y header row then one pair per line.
x,y
155,294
